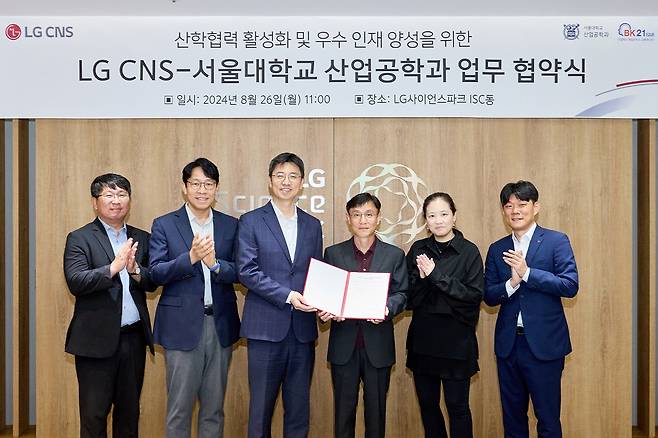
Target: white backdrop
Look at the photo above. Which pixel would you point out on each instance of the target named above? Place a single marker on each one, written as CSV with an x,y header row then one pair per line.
x,y
132,67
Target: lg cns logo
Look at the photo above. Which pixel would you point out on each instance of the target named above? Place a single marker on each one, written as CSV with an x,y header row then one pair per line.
x,y
14,31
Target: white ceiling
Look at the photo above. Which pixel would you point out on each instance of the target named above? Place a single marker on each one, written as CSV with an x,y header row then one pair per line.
x,y
329,8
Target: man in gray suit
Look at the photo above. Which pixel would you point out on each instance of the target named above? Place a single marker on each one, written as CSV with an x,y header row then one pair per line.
x,y
364,350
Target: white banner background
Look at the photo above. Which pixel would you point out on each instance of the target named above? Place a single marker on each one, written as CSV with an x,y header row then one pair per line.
x,y
102,67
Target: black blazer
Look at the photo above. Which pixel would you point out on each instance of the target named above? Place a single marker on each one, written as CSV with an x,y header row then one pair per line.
x,y
451,294
96,323
378,338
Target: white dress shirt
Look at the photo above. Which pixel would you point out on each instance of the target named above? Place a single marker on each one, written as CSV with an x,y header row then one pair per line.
x,y
521,245
289,228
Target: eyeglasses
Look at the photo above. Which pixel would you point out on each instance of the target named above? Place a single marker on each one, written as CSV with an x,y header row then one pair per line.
x,y
196,185
109,197
292,177
369,215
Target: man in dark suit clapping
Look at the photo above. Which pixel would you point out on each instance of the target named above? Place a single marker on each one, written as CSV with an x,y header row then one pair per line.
x,y
106,269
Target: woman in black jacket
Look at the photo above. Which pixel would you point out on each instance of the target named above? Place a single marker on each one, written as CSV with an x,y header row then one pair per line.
x,y
446,284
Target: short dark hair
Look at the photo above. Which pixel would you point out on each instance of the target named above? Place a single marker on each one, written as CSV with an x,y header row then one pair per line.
x,y
287,157
524,190
208,167
111,180
361,199
439,195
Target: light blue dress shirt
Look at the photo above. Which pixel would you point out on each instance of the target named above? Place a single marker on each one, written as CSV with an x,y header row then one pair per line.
x,y
203,229
129,313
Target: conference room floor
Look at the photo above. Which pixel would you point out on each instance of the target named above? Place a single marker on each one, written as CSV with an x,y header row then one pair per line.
x,y
31,433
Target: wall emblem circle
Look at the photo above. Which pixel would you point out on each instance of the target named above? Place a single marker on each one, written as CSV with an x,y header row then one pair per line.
x,y
403,221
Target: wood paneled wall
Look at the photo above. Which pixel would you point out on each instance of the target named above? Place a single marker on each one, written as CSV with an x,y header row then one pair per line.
x,y
646,278
3,274
581,167
20,278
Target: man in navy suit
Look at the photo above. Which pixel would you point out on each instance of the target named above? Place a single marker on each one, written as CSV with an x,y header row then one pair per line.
x,y
197,317
275,245
528,273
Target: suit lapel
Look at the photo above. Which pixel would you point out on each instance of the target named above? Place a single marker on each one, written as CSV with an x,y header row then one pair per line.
x,y
535,243
301,228
506,245
185,230
184,227
217,228
101,236
220,229
347,255
130,233
378,258
104,241
273,224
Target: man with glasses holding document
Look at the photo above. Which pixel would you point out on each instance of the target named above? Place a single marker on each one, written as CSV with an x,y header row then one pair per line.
x,y
275,245
363,350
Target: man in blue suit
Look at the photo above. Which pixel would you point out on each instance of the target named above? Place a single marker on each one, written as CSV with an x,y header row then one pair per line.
x,y
197,317
275,245
528,273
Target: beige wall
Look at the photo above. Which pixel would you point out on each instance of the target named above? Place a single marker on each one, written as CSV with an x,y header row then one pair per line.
x,y
581,167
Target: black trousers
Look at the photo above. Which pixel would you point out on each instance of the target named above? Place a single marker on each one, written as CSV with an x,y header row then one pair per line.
x,y
346,380
428,389
115,380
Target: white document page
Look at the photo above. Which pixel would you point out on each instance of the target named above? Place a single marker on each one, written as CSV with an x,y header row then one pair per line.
x,y
366,295
325,287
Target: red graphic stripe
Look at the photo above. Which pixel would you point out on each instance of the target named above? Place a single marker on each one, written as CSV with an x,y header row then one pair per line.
x,y
342,306
643,81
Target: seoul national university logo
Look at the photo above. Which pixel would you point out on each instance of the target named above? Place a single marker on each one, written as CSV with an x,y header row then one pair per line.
x,y
405,219
571,31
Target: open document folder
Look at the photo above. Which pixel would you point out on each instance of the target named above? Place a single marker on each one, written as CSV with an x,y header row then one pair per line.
x,y
351,295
